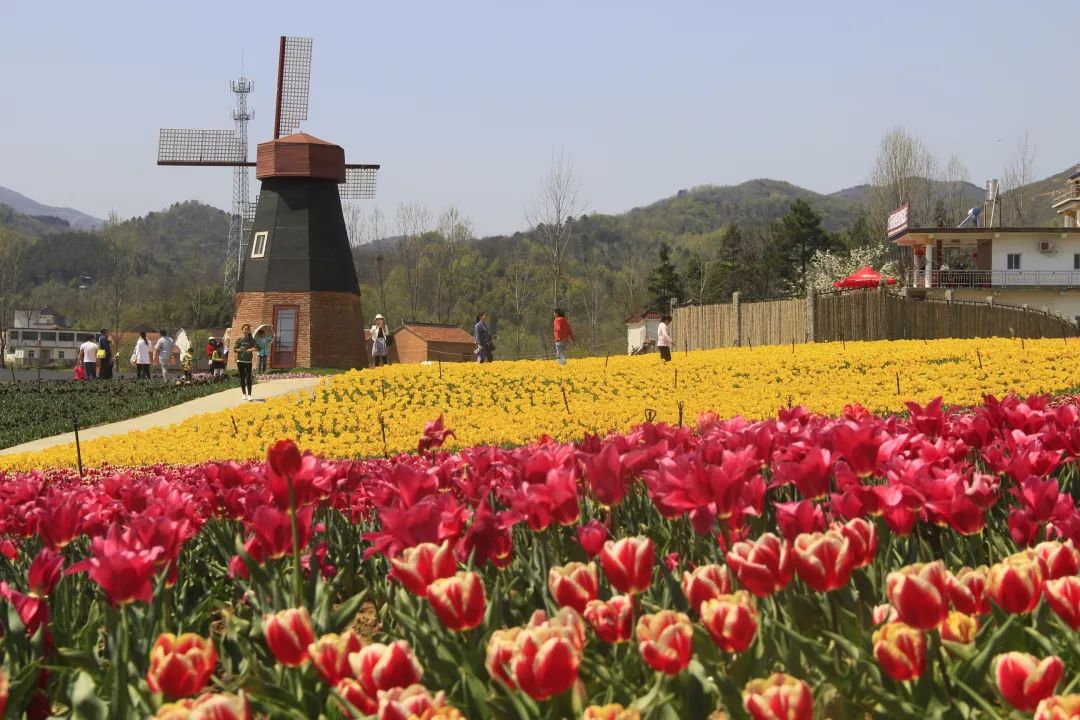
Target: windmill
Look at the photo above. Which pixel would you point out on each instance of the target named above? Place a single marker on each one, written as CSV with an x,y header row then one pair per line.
x,y
297,271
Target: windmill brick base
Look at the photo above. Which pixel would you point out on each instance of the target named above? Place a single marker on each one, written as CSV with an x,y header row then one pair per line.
x,y
329,321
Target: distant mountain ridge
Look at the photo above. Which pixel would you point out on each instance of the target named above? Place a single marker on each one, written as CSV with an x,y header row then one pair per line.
x,y
27,206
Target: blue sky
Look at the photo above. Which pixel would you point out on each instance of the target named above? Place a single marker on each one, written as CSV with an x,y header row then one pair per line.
x,y
465,102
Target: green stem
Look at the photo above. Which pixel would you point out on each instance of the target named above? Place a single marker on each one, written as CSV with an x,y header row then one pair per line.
x,y
295,543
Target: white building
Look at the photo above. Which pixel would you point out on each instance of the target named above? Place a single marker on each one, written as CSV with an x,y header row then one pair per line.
x,y
640,328
41,337
1034,266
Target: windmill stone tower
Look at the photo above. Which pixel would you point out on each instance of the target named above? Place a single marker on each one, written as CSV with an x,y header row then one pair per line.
x,y
298,273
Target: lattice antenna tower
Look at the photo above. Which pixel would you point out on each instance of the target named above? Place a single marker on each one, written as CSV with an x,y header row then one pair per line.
x,y
243,210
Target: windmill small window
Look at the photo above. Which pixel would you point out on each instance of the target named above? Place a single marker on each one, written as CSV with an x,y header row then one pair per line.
x,y
258,247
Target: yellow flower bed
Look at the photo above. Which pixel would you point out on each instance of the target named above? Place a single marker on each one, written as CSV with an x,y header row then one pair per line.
x,y
516,402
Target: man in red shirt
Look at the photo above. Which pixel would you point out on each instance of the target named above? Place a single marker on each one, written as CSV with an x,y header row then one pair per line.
x,y
563,334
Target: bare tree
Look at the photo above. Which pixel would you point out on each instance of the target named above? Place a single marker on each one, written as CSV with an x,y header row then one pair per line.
x,y
122,248
13,249
455,230
378,228
413,221
903,173
1017,179
956,178
551,215
356,224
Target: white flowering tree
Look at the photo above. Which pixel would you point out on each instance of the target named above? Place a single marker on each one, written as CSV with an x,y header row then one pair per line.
x,y
826,267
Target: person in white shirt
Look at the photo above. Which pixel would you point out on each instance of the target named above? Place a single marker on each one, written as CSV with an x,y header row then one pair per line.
x,y
88,352
164,348
142,357
663,338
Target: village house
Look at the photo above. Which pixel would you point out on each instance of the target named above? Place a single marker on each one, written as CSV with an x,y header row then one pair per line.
x,y
42,337
417,342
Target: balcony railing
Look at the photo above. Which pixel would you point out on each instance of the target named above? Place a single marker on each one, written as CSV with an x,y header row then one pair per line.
x,y
993,278
1069,193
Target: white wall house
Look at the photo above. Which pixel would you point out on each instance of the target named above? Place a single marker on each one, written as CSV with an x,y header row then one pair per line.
x,y
639,328
42,338
1034,266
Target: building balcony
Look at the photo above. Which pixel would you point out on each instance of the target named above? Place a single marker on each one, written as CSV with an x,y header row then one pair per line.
x,y
1066,195
996,279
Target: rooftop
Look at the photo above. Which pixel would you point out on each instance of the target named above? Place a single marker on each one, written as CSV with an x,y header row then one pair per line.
x,y
436,332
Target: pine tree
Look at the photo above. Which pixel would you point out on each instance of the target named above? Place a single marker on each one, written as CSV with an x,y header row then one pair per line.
x,y
800,235
664,282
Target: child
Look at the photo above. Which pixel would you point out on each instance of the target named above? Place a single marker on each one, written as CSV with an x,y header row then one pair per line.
x,y
217,360
187,363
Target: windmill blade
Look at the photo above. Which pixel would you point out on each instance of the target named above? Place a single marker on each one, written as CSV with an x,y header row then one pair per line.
x,y
200,147
294,84
359,182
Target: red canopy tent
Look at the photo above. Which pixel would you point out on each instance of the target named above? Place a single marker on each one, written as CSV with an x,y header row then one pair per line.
x,y
864,277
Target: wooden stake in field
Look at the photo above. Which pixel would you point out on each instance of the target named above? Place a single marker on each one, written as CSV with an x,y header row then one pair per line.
x,y
842,343
236,430
78,447
439,360
382,429
897,383
650,415
979,355
565,401
685,347
680,412
1022,345
676,378
606,356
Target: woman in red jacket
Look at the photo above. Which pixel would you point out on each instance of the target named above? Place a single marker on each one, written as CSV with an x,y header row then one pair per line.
x,y
563,334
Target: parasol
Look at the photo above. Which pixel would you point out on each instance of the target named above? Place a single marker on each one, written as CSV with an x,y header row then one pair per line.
x,y
183,344
864,277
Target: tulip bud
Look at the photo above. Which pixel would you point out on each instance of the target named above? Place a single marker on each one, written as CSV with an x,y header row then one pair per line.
x,y
864,540
1063,597
824,561
573,585
614,711
778,696
1024,680
762,567
967,590
665,640
612,621
959,628
180,666
900,650
500,651
423,564
354,693
883,614
1015,583
1059,707
330,655
383,667
406,703
458,601
45,571
545,661
1061,559
592,537
628,564
919,594
705,583
731,620
288,634
221,706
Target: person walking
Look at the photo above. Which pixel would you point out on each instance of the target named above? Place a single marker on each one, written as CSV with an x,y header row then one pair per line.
x,y
663,338
380,342
164,348
262,342
88,353
245,349
105,355
485,347
217,360
563,334
142,357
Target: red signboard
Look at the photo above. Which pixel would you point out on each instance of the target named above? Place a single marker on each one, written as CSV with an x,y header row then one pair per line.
x,y
898,221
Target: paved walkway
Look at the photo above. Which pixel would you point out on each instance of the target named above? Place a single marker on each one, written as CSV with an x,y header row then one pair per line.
x,y
170,416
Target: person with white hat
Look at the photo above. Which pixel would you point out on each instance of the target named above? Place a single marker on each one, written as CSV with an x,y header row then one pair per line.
x,y
380,341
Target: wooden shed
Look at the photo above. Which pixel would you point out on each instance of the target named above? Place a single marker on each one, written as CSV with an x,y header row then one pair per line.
x,y
416,342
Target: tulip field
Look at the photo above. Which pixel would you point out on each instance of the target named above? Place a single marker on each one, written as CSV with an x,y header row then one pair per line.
x,y
829,562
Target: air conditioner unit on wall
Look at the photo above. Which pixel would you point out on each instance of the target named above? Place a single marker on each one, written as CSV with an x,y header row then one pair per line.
x,y
1045,246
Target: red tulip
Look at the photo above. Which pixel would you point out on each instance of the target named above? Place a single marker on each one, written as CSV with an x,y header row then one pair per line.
x,y
592,537
778,696
410,702
383,667
285,464
125,573
824,561
3,692
423,564
33,611
1059,707
731,620
883,614
612,621
330,655
458,601
273,529
288,635
959,628
45,572
967,590
1063,597
920,594
1015,583
705,583
762,567
864,540
573,585
545,662
354,693
1061,558
500,651
795,518
566,620
665,640
221,706
900,650
628,564
1024,680
180,666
